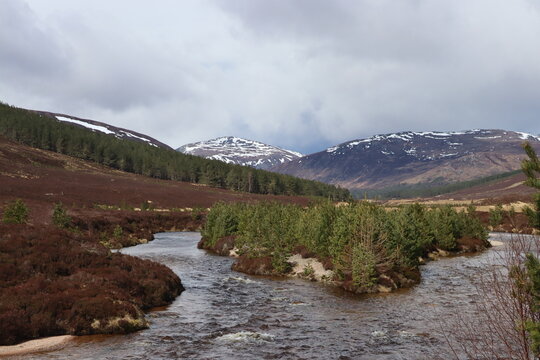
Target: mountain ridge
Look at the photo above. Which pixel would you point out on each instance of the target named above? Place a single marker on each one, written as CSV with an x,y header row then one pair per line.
x,y
118,132
413,158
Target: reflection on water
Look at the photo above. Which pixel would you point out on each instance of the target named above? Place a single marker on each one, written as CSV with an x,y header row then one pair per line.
x,y
228,315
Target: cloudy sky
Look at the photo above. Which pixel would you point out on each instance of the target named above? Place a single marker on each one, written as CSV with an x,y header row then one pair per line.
x,y
301,74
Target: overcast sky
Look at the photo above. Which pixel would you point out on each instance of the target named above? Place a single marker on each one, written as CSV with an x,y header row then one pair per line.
x,y
301,74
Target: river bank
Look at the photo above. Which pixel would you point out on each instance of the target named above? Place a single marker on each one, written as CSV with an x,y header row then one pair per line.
x,y
67,281
227,315
37,346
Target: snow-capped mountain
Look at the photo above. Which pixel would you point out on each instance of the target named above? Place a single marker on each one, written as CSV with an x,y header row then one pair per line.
x,y
234,150
414,157
93,125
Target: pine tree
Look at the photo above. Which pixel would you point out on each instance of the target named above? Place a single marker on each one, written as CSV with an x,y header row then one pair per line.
x,y
60,217
531,168
15,212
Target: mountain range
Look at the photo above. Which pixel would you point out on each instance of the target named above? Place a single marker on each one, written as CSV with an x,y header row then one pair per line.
x,y
383,161
414,158
408,158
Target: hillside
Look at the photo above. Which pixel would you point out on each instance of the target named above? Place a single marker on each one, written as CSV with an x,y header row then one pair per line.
x,y
41,178
234,150
508,190
140,157
430,158
101,127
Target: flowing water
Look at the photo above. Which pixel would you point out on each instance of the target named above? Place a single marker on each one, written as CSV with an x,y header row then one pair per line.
x,y
229,315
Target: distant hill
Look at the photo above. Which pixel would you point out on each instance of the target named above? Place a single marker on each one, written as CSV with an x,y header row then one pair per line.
x,y
41,178
117,132
234,150
98,142
505,190
411,158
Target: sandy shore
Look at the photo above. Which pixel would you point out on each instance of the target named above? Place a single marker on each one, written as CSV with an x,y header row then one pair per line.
x,y
315,268
34,346
496,243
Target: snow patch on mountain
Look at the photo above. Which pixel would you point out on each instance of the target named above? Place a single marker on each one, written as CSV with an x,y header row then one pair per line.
x,y
102,129
525,136
107,129
448,144
235,150
410,136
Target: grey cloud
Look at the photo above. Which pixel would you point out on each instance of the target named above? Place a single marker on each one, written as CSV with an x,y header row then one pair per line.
x,y
29,51
370,29
79,65
301,74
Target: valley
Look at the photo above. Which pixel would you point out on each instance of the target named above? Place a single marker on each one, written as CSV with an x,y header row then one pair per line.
x,y
296,180
109,204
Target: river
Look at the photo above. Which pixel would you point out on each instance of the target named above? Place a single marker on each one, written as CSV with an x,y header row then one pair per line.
x,y
228,315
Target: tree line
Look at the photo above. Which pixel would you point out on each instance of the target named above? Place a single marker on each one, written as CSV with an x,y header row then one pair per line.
x,y
47,133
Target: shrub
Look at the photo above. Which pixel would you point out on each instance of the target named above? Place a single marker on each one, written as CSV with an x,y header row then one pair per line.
x,y
315,226
496,216
15,212
60,218
268,229
444,226
55,282
118,232
410,232
222,221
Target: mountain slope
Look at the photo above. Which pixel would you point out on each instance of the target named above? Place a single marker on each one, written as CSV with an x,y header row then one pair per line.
x,y
234,150
140,157
117,132
42,178
414,158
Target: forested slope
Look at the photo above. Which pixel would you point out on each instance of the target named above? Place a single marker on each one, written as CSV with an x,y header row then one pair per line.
x,y
47,133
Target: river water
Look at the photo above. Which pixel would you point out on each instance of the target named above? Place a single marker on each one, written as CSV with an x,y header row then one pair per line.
x,y
228,315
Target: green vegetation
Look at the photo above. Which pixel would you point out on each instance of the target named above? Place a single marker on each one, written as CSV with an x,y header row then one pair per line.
x,y
118,232
15,212
531,168
47,133
60,218
404,191
532,266
496,215
360,238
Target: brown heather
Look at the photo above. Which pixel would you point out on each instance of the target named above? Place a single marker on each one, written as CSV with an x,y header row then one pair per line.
x,y
55,282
